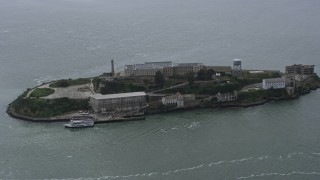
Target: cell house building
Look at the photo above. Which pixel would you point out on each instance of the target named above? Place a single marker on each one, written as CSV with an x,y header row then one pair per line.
x,y
168,68
122,102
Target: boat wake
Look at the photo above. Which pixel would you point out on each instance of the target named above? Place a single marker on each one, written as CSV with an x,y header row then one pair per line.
x,y
279,174
192,125
221,163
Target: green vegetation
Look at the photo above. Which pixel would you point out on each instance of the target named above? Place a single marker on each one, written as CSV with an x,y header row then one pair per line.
x,y
252,96
159,78
120,87
312,83
264,75
204,74
252,78
173,82
260,95
69,82
316,78
37,107
190,78
96,84
25,93
209,89
41,92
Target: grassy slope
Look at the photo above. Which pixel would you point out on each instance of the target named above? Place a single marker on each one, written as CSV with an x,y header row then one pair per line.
x,y
37,107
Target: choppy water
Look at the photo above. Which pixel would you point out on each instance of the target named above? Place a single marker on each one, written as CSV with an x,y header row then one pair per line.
x,y
46,40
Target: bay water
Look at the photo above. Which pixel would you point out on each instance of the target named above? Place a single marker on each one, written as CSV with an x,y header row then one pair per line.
x,y
44,40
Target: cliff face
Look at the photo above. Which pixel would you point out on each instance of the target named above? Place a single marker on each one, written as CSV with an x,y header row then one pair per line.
x,y
37,107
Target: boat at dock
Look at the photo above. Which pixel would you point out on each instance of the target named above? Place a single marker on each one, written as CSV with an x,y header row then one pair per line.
x,y
80,122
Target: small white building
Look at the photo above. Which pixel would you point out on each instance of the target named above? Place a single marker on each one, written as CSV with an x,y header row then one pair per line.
x,y
275,83
227,96
177,100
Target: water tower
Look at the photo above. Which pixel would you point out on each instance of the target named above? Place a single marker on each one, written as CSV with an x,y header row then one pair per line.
x,y
237,70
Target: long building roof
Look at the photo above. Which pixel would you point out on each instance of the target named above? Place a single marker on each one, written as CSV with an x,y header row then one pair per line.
x,y
159,65
274,80
119,95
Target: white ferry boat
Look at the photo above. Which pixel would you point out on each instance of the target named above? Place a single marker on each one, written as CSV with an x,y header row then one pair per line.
x,y
80,122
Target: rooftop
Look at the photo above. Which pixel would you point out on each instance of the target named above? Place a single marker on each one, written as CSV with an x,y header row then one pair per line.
x,y
274,80
159,65
120,95
220,68
189,64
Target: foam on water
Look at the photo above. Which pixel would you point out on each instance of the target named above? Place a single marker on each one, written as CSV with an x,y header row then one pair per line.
x,y
193,125
220,163
279,174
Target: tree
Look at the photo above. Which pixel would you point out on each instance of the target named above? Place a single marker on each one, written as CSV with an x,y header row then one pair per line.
x,y
210,73
202,74
190,78
159,78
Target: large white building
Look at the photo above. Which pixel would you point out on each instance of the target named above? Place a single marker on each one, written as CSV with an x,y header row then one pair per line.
x,y
118,102
275,83
167,68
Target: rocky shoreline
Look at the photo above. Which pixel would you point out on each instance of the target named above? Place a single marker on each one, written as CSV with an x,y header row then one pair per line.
x,y
11,112
71,96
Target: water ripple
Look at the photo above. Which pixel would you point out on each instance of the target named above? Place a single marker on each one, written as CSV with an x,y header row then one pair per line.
x,y
279,174
220,163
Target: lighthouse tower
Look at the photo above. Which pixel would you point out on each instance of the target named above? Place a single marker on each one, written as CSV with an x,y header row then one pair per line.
x,y
112,67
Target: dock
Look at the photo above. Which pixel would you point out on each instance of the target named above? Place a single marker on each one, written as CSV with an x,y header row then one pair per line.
x,y
120,119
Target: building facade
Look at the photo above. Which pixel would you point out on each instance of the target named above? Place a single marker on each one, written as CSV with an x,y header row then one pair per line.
x,y
182,69
227,96
122,102
177,100
300,69
167,68
275,83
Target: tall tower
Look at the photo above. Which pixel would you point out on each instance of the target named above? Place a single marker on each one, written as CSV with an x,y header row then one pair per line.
x,y
112,67
237,70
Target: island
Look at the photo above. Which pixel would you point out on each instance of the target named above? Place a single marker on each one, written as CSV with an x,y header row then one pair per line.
x,y
161,87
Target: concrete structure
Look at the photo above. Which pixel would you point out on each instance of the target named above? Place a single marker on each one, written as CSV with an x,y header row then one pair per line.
x,y
290,90
227,96
122,102
184,68
112,67
108,76
148,68
275,83
300,69
167,68
307,70
177,100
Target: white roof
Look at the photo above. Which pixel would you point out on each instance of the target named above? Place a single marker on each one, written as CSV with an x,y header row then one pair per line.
x,y
274,80
158,65
120,95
